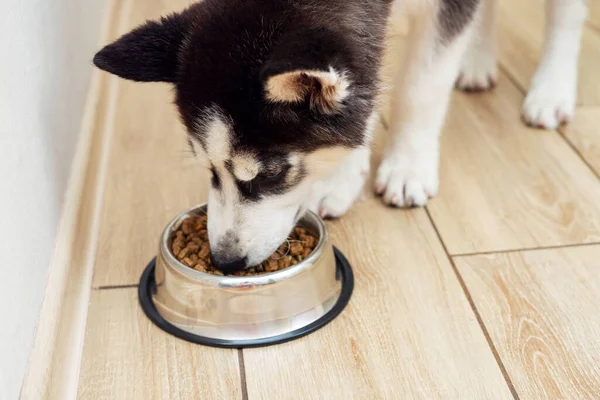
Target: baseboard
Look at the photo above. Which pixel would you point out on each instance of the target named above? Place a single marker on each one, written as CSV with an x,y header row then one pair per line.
x,y
54,361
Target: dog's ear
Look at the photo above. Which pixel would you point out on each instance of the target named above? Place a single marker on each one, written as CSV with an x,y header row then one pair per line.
x,y
324,90
308,66
149,53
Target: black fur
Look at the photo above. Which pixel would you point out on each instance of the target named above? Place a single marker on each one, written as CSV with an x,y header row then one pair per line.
x,y
148,53
215,180
454,15
219,53
240,43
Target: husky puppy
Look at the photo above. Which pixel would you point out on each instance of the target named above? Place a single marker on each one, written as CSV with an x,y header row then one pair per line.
x,y
279,101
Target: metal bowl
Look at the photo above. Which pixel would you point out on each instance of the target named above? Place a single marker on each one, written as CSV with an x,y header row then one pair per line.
x,y
227,311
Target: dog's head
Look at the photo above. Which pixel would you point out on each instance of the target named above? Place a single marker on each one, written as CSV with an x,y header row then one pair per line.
x,y
271,104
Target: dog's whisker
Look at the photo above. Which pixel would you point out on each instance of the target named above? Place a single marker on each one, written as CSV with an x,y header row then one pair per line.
x,y
287,251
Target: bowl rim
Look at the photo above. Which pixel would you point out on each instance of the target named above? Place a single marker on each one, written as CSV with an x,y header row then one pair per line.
x,y
237,281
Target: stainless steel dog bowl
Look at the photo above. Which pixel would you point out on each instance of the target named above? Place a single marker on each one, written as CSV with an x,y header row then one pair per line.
x,y
252,311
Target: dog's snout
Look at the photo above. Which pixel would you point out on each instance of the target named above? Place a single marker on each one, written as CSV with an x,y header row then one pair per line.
x,y
228,265
227,256
245,234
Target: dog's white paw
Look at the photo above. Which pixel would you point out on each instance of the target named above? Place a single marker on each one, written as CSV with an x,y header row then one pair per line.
x,y
478,71
550,102
334,196
408,180
337,202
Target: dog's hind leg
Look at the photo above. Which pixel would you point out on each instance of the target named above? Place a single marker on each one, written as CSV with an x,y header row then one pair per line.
x,y
478,69
551,99
408,175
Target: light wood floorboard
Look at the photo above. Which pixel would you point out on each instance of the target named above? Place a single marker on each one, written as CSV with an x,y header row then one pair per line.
x,y
594,14
542,310
505,186
408,332
126,357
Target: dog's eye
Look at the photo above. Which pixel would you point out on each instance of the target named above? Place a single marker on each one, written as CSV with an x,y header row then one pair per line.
x,y
248,189
265,180
275,177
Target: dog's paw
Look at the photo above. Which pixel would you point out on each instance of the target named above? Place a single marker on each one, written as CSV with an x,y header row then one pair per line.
x,y
405,180
334,196
478,71
550,103
337,202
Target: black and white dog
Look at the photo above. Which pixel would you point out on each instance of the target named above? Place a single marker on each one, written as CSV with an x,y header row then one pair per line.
x,y
279,100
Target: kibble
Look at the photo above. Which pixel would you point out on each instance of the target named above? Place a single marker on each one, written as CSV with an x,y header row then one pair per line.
x,y
191,247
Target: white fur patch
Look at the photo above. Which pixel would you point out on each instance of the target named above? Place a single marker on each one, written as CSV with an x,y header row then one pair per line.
x,y
335,194
322,162
200,153
259,227
217,140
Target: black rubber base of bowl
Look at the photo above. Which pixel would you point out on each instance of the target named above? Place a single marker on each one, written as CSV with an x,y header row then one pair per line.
x,y
147,287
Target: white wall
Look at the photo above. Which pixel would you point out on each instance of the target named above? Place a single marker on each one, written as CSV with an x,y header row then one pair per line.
x,y
45,52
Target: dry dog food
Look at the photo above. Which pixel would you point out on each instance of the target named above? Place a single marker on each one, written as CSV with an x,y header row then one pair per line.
x,y
190,246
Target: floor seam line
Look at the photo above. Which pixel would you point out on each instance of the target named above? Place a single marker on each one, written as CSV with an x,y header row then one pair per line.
x,y
243,382
524,249
592,27
581,157
475,311
110,287
511,78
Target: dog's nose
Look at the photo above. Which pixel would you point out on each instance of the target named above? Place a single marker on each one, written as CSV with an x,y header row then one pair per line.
x,y
228,266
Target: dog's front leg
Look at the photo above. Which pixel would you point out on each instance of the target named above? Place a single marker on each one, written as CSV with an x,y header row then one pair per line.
x,y
551,100
408,175
334,195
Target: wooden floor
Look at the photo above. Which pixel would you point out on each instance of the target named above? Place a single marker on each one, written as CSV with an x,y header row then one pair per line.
x,y
492,291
